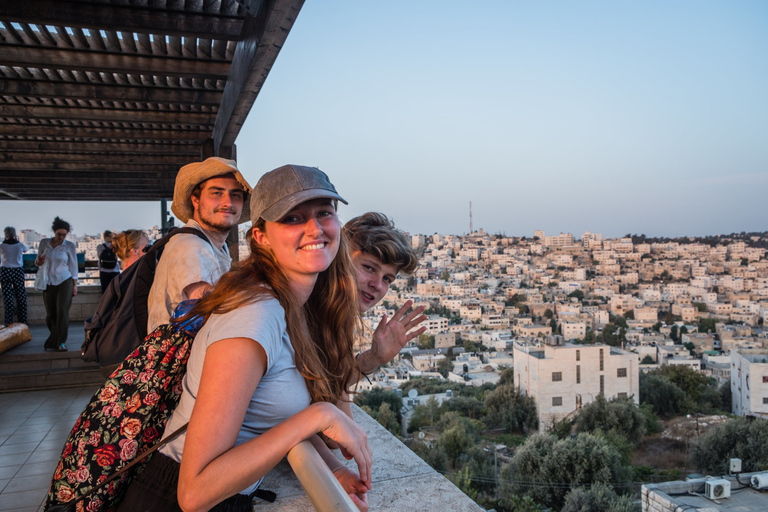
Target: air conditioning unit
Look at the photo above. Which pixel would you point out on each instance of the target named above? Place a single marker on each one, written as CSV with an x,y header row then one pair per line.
x,y
717,488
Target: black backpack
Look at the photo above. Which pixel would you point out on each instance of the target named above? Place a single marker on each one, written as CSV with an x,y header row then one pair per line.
x,y
120,322
107,258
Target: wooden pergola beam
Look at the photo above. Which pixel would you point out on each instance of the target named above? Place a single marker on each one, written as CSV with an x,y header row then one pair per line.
x,y
104,133
113,148
257,49
108,92
104,114
79,60
111,17
45,157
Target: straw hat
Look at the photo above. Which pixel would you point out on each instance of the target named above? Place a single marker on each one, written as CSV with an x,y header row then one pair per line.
x,y
191,175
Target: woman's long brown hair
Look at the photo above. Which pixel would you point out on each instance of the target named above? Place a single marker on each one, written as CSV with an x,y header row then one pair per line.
x,y
321,332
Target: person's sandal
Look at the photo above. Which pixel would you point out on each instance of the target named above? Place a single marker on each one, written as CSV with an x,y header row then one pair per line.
x,y
62,348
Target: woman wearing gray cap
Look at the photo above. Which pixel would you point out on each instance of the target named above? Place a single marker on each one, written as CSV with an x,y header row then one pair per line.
x,y
274,355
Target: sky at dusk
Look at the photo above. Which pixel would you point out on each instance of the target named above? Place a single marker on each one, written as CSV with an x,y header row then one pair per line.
x,y
602,116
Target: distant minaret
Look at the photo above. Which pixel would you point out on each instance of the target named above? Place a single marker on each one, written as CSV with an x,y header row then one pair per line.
x,y
470,218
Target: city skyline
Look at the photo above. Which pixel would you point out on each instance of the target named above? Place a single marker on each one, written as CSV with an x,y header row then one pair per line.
x,y
603,117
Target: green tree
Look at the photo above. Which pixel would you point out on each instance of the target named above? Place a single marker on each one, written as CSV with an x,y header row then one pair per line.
x,y
620,416
664,396
544,459
673,334
737,438
548,314
425,415
598,498
445,366
388,419
445,276
578,294
657,327
647,360
700,306
707,325
426,341
432,454
376,397
630,315
509,409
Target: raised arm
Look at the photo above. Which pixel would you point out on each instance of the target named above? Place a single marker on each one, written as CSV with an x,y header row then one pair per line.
x,y
212,469
391,336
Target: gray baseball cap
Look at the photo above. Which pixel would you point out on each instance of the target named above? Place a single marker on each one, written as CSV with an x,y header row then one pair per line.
x,y
282,189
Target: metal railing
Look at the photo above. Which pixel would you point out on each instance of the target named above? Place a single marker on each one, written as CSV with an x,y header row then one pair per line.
x,y
322,488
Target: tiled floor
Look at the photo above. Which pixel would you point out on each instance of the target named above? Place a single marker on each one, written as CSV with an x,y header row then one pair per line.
x,y
33,427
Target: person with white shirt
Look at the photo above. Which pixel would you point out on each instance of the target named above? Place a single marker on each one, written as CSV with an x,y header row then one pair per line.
x,y
57,257
210,196
12,277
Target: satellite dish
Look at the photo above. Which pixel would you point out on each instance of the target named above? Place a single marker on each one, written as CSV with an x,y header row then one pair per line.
x,y
413,393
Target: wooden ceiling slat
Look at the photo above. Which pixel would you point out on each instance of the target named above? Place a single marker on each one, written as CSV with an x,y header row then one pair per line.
x,y
110,63
113,115
62,34
85,166
46,158
115,17
31,174
100,148
47,35
10,31
145,46
108,133
30,33
80,37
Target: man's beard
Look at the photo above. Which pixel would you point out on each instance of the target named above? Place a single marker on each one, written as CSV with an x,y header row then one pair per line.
x,y
211,223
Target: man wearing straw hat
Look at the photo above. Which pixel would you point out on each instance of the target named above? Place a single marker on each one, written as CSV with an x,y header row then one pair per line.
x,y
212,197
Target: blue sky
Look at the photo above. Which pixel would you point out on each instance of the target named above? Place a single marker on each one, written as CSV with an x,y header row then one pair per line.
x,y
610,117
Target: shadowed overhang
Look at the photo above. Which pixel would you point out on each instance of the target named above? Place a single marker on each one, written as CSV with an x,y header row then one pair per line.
x,y
107,99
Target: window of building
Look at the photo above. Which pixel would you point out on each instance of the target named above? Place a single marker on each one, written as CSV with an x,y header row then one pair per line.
x,y
557,401
557,376
602,384
765,379
601,360
578,374
765,400
621,396
578,355
621,372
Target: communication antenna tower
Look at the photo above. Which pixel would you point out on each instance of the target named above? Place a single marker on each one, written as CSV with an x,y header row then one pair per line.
x,y
470,218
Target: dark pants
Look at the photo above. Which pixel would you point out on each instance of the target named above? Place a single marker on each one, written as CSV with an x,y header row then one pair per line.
x,y
57,300
105,278
154,490
12,281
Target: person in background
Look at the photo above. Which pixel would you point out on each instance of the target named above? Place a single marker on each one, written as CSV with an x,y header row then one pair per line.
x,y
273,356
129,246
57,257
108,266
12,277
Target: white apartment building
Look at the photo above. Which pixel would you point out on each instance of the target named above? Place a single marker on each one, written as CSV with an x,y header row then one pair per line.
x,y
564,378
435,324
749,383
574,330
560,240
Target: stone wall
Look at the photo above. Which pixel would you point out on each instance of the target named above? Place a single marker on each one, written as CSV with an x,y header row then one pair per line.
x,y
83,305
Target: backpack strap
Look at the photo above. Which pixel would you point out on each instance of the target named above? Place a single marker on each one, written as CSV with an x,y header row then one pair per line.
x,y
137,460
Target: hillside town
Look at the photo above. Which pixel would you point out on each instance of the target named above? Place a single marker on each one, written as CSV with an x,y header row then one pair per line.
x,y
575,318
582,318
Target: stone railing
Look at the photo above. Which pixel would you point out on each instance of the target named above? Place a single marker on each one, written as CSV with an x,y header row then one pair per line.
x,y
401,480
83,305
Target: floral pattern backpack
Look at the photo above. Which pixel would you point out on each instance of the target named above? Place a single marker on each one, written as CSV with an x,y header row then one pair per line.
x,y
123,420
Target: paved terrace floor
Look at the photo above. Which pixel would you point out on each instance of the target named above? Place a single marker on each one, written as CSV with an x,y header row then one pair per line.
x,y
35,424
